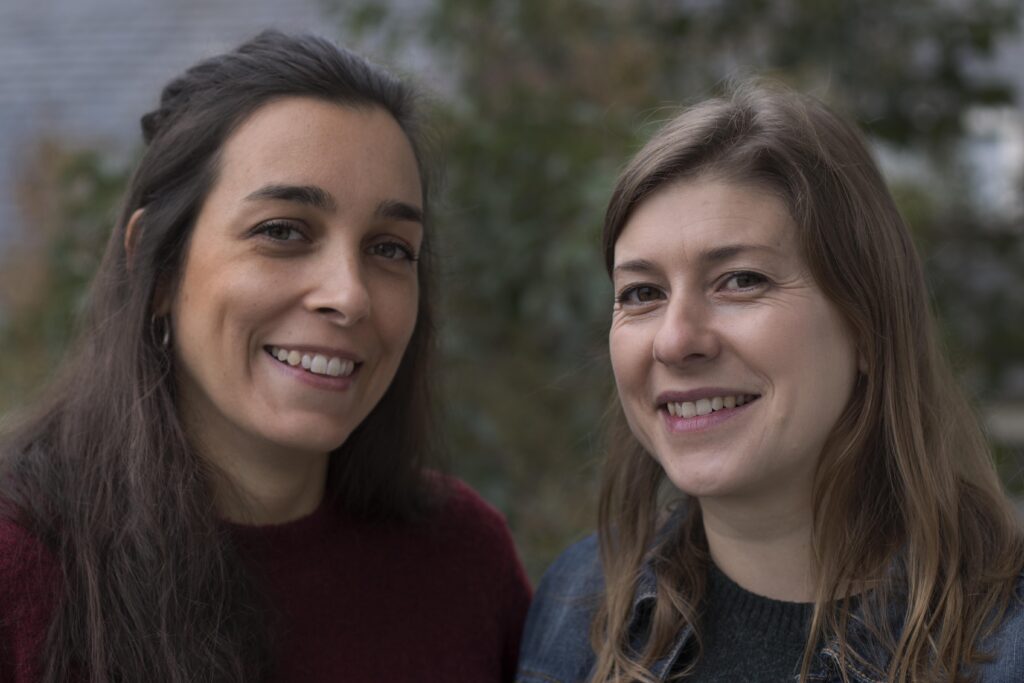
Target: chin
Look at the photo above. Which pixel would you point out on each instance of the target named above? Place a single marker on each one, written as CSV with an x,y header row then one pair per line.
x,y
699,483
324,442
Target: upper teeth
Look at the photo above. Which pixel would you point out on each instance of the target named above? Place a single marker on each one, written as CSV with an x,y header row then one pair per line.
x,y
707,405
316,363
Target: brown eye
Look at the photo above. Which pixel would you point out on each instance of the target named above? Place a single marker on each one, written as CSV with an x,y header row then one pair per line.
x,y
280,231
744,280
392,250
639,295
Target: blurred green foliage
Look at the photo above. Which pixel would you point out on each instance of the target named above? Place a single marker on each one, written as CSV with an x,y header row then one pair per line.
x,y
544,100
541,102
81,190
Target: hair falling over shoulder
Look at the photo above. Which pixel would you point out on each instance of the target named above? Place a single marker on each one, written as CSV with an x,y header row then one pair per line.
x,y
909,514
102,470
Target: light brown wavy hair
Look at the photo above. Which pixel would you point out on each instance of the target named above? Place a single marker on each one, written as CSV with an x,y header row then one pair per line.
x,y
908,509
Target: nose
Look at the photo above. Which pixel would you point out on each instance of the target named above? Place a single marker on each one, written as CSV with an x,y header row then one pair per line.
x,y
340,291
687,334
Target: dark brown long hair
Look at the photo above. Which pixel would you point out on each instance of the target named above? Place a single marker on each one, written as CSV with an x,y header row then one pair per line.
x,y
907,505
101,469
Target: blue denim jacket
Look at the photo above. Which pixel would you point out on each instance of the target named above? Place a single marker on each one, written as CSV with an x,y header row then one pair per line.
x,y
556,644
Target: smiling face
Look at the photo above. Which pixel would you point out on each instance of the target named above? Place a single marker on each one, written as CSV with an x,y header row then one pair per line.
x,y
731,365
299,292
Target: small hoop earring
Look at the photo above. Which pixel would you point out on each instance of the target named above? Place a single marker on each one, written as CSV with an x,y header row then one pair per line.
x,y
164,335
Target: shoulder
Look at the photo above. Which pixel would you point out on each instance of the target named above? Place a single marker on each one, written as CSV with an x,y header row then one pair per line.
x,y
460,503
556,642
29,581
576,574
1005,646
473,538
464,516
25,561
471,530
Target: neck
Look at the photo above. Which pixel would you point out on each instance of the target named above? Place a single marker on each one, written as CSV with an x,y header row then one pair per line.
x,y
259,483
766,551
268,491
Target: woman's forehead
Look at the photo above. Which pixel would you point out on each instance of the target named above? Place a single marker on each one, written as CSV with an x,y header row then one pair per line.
x,y
712,219
306,141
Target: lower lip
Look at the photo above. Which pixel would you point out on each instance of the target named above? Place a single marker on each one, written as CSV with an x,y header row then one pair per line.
x,y
702,423
325,382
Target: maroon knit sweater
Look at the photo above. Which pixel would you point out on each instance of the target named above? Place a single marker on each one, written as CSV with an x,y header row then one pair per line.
x,y
439,601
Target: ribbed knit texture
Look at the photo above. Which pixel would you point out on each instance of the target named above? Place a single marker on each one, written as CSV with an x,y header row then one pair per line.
x,y
748,637
438,600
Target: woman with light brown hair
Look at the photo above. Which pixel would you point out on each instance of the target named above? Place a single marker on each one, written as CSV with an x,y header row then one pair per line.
x,y
795,489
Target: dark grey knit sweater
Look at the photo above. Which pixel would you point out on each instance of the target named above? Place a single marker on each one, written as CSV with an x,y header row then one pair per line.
x,y
747,637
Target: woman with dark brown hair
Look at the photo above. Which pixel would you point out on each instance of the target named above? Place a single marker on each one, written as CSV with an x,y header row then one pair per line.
x,y
233,477
794,487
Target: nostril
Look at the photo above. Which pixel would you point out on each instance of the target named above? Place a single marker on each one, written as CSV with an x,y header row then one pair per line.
x,y
343,315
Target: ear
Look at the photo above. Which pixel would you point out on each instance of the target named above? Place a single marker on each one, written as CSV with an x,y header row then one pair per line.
x,y
131,234
161,299
133,231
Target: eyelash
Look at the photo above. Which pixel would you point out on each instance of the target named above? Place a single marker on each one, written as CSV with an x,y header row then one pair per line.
x,y
761,279
407,253
626,296
264,230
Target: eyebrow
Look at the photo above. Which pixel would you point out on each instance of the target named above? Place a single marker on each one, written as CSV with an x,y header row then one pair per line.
x,y
318,198
639,265
711,256
310,195
399,211
728,251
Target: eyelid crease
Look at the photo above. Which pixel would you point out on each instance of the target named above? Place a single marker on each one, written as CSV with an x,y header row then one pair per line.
x,y
282,223
761,278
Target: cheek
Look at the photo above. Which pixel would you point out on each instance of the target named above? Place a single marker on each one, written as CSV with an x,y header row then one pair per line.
x,y
217,308
629,349
619,357
834,351
398,306
823,362
630,356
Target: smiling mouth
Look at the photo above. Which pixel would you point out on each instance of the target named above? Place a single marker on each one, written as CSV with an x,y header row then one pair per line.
x,y
706,406
314,363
